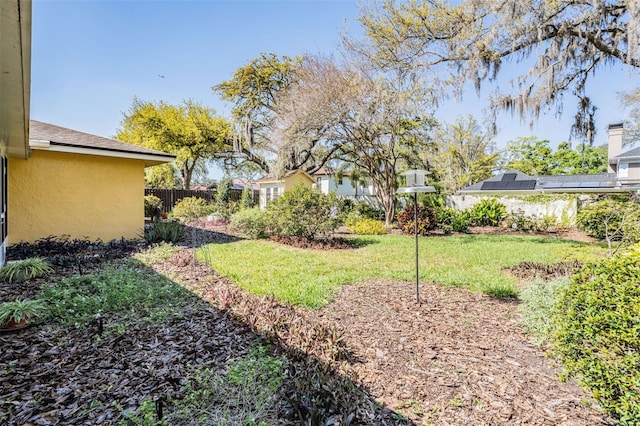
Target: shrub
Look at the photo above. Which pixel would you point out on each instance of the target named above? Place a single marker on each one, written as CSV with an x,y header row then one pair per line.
x,y
538,301
246,198
368,211
449,219
152,205
426,220
251,222
170,232
366,226
488,212
611,220
191,208
304,212
597,333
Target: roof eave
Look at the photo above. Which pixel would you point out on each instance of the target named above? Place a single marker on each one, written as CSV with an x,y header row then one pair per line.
x,y
149,159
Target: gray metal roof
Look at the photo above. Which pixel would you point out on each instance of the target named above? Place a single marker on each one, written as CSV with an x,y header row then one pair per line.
x,y
632,153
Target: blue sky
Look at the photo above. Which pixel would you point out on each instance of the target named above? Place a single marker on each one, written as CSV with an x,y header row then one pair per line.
x,y
90,58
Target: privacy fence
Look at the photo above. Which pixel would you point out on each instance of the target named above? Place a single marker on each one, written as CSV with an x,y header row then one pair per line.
x,y
170,197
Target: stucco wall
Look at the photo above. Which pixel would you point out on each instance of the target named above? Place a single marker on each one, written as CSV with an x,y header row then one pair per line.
x,y
297,179
56,193
561,209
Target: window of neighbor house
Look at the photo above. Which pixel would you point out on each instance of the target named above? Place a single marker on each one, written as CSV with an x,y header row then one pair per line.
x,y
319,180
275,194
339,181
623,170
267,193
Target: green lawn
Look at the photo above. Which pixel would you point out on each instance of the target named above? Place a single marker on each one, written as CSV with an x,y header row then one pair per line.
x,y
309,278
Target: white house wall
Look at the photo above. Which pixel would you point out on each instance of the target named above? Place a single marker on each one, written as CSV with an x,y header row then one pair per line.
x,y
328,184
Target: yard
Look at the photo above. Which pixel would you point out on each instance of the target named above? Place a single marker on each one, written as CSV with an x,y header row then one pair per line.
x,y
357,348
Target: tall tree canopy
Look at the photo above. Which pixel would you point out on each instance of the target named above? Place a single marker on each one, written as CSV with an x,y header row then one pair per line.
x,y
462,154
562,43
189,131
350,112
253,89
534,156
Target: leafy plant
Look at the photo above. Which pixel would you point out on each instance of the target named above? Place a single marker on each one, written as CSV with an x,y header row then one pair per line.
x,y
597,332
304,212
251,222
538,301
488,212
152,206
191,208
25,269
426,220
223,199
366,226
246,198
613,220
20,310
458,221
157,253
170,231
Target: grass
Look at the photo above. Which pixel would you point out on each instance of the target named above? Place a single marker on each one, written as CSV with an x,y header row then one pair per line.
x,y
309,278
538,301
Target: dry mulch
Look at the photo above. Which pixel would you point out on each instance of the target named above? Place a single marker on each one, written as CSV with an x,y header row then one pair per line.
x,y
457,358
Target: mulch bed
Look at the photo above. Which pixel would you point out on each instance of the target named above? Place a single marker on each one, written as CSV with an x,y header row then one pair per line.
x,y
456,358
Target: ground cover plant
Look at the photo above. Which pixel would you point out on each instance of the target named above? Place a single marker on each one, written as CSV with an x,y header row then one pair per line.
x,y
309,278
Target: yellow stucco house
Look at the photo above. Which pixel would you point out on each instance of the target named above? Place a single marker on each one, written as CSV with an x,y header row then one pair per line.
x,y
272,186
77,184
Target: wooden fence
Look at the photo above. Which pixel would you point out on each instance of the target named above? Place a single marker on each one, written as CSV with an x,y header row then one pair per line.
x,y
170,197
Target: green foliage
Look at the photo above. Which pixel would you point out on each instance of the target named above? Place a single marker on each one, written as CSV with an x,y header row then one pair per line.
x,y
129,292
451,219
251,222
189,131
19,310
488,212
246,198
530,223
366,226
191,208
152,205
304,212
167,231
598,332
368,211
426,220
613,220
538,301
223,200
162,176
25,269
157,253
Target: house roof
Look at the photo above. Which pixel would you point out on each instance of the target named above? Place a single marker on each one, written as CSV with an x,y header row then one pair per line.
x,y
55,138
514,182
273,177
631,154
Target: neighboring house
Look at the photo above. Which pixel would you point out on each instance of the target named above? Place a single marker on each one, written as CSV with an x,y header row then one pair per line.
x,y
330,181
272,186
78,184
623,176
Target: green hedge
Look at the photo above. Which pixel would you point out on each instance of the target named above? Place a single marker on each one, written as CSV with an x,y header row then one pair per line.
x,y
597,333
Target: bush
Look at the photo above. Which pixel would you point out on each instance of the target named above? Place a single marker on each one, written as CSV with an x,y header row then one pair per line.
x,y
520,221
152,206
426,220
488,212
303,212
170,232
251,222
366,226
611,219
368,211
191,208
597,332
538,302
246,198
449,219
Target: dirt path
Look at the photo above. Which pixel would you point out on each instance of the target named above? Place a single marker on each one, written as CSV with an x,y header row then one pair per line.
x,y
459,358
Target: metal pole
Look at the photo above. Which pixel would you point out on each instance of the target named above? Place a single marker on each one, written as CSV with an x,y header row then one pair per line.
x,y
415,229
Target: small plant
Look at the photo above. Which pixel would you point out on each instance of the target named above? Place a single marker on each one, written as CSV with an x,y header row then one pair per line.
x,y
156,254
488,212
426,220
366,226
191,208
449,219
152,206
251,222
26,269
170,232
538,301
613,220
246,198
20,310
